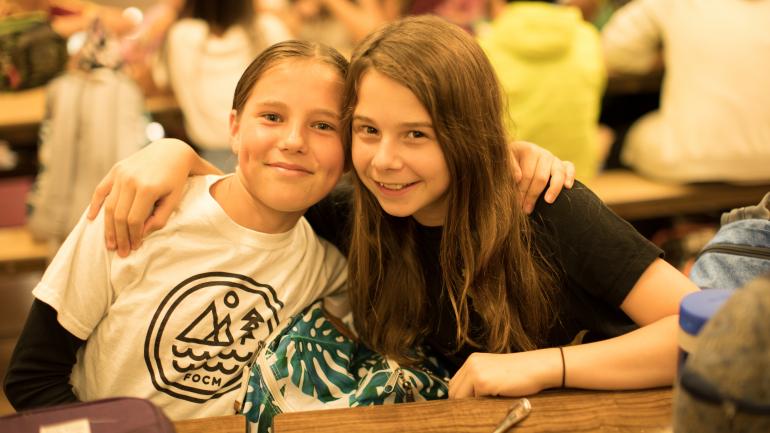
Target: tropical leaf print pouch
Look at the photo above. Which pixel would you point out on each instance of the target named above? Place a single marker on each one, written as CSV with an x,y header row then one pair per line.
x,y
316,363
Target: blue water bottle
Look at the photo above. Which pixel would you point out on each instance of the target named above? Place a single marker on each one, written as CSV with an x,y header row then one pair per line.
x,y
694,312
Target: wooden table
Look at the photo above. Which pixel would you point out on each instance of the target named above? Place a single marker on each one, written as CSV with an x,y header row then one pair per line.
x,y
557,411
220,424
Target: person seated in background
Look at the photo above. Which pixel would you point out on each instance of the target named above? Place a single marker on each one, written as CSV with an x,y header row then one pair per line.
x,y
549,63
363,17
206,50
714,119
310,20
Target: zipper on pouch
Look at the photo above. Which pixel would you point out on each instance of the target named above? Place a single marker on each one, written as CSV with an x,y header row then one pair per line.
x,y
737,250
390,385
397,378
268,378
246,375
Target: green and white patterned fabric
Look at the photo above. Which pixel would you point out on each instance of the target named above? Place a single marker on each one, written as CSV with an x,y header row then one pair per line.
x,y
311,365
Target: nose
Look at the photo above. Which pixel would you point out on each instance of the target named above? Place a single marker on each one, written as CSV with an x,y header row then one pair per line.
x,y
294,139
386,155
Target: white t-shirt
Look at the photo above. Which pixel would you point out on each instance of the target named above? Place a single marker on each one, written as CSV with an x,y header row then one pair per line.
x,y
204,69
177,320
714,119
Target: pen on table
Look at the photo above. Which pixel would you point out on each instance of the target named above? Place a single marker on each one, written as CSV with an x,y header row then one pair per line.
x,y
520,409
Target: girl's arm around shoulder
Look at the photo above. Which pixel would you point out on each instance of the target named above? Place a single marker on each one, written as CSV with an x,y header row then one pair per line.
x,y
140,192
535,169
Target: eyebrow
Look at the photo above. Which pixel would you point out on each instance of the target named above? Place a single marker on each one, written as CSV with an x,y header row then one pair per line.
x,y
326,112
279,104
405,124
272,103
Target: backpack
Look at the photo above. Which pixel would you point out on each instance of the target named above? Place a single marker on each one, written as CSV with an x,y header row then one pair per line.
x,y
740,250
317,363
109,415
93,119
31,53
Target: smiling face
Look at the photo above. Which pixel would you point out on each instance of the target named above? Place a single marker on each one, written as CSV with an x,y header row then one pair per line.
x,y
396,152
287,139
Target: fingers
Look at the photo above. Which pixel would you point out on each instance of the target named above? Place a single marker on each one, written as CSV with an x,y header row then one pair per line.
x,y
540,177
562,176
460,386
101,192
517,174
161,214
139,211
120,218
569,168
527,173
558,176
109,213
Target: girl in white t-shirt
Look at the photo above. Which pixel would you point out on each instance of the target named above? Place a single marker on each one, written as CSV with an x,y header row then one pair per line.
x,y
177,322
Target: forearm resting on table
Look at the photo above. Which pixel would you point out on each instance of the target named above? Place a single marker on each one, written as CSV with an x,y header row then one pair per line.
x,y
643,358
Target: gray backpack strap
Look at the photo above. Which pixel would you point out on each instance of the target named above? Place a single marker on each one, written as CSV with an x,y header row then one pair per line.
x,y
759,211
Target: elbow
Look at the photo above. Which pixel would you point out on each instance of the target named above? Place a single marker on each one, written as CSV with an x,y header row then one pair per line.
x,y
24,392
13,390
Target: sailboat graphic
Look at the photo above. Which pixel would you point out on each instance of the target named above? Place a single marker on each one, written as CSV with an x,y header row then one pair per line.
x,y
207,325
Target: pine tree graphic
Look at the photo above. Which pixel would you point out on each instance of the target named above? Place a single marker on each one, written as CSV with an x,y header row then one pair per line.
x,y
252,319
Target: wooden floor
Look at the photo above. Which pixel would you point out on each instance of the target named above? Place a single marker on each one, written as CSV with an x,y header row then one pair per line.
x,y
16,283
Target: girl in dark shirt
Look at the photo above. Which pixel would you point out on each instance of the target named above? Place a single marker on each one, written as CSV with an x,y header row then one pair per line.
x,y
441,253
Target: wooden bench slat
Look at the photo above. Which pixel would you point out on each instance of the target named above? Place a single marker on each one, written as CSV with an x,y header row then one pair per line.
x,y
17,245
634,197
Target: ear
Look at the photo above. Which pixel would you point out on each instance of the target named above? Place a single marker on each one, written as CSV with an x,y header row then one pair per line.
x,y
235,131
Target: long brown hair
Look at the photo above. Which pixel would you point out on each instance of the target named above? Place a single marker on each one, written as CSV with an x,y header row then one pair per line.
x,y
486,251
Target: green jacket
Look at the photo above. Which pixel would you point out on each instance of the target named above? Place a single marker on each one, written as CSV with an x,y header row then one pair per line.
x,y
550,66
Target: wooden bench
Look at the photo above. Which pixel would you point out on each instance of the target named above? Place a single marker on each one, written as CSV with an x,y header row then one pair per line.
x,y
634,197
18,246
22,112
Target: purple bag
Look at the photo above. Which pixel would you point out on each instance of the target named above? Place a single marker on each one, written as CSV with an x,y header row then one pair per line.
x,y
112,415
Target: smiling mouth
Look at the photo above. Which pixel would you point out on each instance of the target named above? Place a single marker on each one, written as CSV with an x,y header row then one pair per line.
x,y
289,167
395,186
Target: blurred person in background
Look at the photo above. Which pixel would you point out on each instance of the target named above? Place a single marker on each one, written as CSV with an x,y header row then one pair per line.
x,y
548,60
714,119
206,51
310,20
